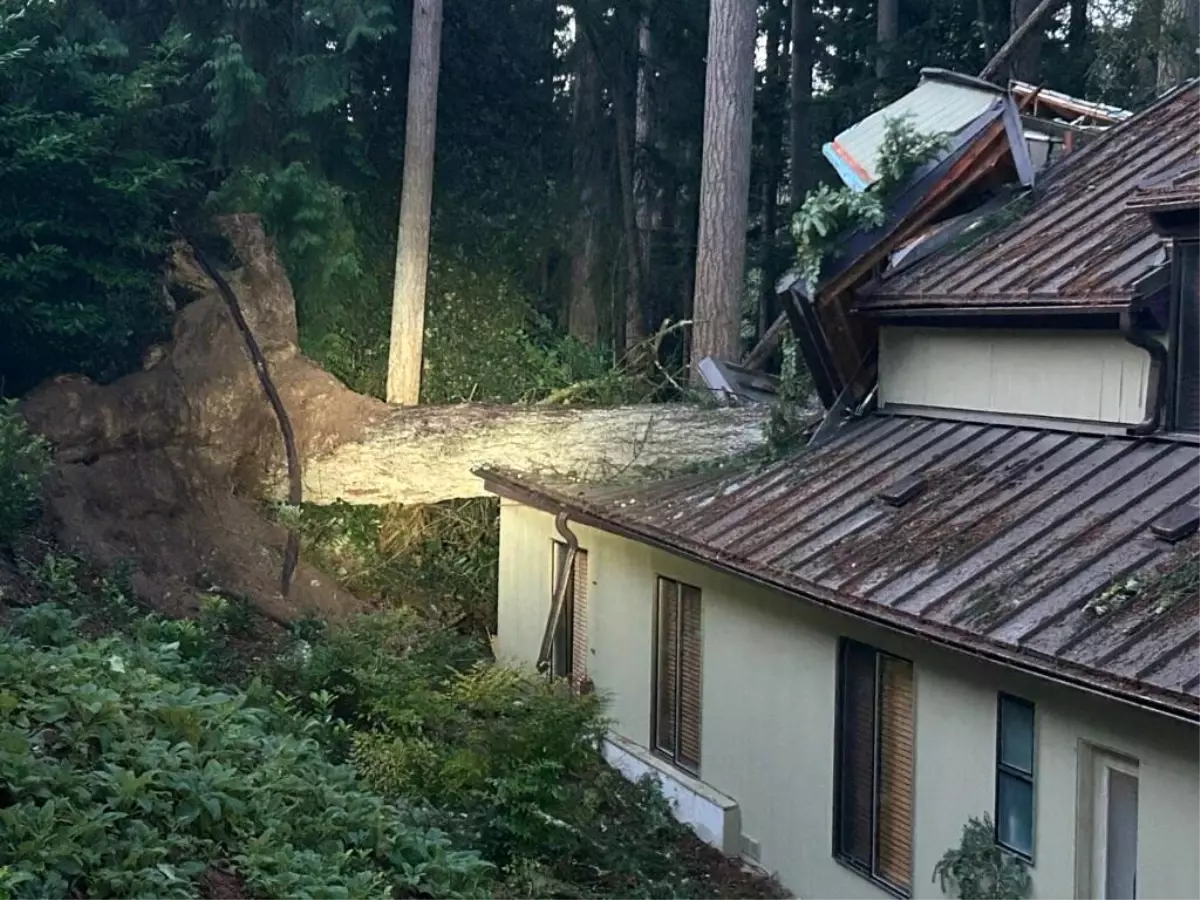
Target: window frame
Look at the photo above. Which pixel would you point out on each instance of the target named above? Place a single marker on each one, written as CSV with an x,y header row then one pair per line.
x,y
839,854
1030,777
672,757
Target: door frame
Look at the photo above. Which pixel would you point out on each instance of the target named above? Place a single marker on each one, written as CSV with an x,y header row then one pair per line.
x,y
1091,833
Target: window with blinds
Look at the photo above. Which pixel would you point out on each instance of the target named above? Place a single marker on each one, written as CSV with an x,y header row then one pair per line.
x,y
675,706
873,806
568,655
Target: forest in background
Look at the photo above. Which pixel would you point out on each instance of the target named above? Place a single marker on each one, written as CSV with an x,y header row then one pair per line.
x,y
567,167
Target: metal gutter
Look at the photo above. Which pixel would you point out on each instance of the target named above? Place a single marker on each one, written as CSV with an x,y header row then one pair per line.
x,y
1054,671
559,597
1156,393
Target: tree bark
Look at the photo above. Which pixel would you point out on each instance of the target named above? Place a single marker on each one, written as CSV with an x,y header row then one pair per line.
x,y
583,317
427,454
406,349
1024,44
724,180
643,188
887,30
774,88
1177,42
635,329
803,35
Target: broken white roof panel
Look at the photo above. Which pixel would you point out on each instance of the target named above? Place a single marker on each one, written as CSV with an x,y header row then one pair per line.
x,y
1068,106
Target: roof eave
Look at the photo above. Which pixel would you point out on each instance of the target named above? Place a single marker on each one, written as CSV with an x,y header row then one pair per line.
x,y
1167,703
898,308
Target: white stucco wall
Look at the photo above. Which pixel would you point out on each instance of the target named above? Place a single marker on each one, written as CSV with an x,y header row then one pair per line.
x,y
768,720
1094,376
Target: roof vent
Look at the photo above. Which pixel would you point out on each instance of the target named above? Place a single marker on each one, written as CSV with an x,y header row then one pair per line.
x,y
902,490
1177,524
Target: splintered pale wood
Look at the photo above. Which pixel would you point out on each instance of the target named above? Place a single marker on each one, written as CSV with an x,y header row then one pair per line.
x,y
426,454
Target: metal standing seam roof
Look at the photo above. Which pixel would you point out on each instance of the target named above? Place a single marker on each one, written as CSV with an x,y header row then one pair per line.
x,y
1006,550
1178,189
1079,245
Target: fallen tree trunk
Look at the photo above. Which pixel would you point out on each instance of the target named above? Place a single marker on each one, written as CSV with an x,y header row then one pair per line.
x,y
426,454
179,454
201,394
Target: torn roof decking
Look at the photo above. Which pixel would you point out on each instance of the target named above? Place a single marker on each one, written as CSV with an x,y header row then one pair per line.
x,y
1007,548
992,141
1080,245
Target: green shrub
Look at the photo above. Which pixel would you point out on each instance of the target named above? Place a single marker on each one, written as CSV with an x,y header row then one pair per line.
x,y
978,869
123,780
506,759
23,463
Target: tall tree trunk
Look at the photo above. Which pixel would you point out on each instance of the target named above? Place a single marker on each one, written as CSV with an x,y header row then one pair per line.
x,y
1025,58
405,352
583,319
635,330
643,199
1177,42
774,87
724,179
984,26
803,39
887,30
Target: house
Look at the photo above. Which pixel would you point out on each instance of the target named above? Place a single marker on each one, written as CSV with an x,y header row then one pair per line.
x,y
977,591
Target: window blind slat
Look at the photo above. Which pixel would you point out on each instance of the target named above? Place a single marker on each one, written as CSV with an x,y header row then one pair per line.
x,y
667,676
579,614
691,675
894,853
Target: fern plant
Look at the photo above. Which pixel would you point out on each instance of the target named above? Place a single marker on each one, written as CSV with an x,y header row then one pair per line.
x,y
978,869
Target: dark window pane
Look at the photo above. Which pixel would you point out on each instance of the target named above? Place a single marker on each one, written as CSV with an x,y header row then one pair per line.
x,y
1187,352
1016,734
1014,813
856,756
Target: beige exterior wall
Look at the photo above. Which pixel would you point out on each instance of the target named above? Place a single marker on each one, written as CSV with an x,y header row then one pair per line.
x,y
768,719
1085,375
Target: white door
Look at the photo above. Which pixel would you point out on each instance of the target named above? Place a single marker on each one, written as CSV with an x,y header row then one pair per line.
x,y
1114,827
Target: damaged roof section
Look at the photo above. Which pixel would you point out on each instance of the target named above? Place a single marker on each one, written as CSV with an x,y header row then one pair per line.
x,y
1072,554
1080,245
945,102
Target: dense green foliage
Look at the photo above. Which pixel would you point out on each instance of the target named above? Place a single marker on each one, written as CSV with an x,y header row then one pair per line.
x,y
23,461
123,778
90,166
359,760
114,115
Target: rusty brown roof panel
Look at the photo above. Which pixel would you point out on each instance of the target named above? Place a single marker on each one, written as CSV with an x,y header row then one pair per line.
x,y
1013,539
1084,242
